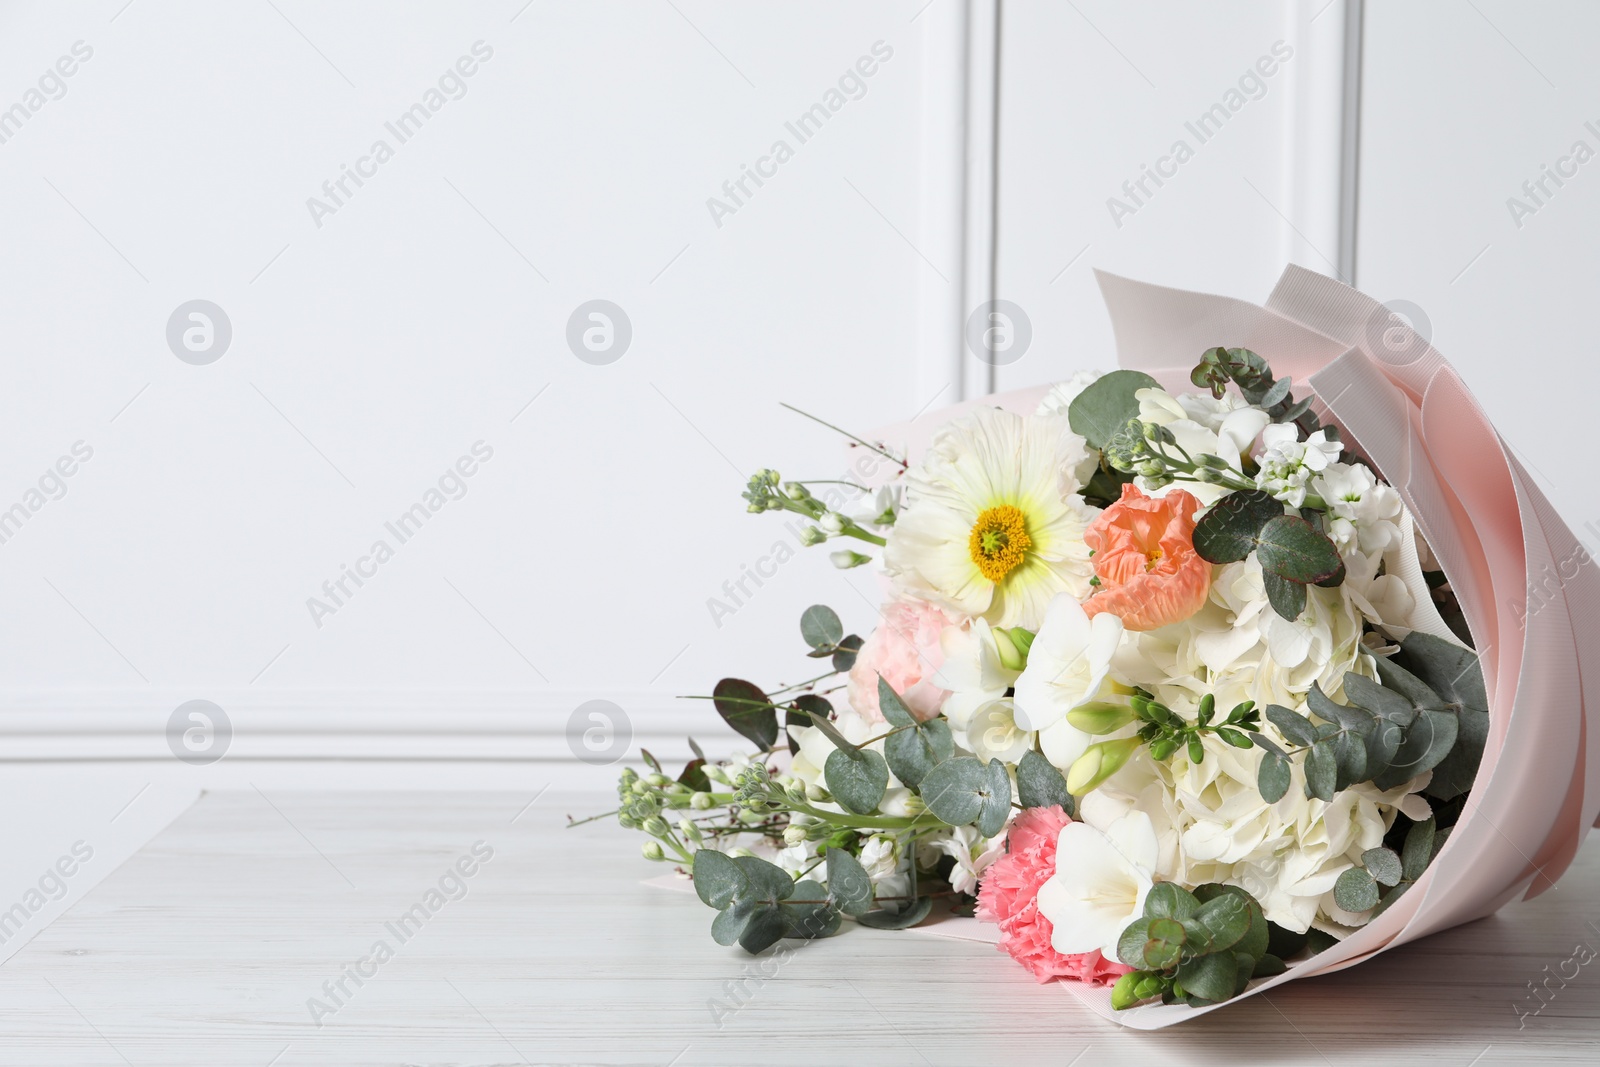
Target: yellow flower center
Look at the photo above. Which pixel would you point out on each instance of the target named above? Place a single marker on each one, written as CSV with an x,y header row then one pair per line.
x,y
999,541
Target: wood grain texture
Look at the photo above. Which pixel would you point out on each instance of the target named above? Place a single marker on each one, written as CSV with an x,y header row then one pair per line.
x,y
205,947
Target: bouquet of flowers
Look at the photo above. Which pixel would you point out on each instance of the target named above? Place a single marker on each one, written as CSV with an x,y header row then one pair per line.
x,y
1194,676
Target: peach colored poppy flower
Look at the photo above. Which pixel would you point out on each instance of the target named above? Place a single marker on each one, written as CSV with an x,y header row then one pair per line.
x,y
1150,574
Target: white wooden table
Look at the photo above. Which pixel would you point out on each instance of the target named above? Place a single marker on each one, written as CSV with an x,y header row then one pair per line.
x,y
206,946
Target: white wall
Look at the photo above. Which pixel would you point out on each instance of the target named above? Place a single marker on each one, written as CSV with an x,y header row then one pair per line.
x,y
429,312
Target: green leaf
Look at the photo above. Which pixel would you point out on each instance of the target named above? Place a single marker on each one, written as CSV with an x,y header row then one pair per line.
x,y
1210,977
1322,771
1273,776
844,656
849,885
1427,741
811,921
729,924
1355,890
1268,966
1383,865
1287,598
1040,785
768,925
1130,945
1169,900
1388,704
1255,939
746,708
717,879
1344,716
766,880
1227,533
820,627
857,779
1262,741
1418,851
1456,675
1165,946
1283,942
962,790
1225,919
821,722
898,920
694,775
1294,726
1106,405
1292,548
915,748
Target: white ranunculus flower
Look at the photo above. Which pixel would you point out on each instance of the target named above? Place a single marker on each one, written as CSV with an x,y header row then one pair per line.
x,y
993,733
993,523
1101,880
1363,510
1068,665
973,670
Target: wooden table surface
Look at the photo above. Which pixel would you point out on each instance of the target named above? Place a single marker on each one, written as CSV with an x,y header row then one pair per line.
x,y
209,945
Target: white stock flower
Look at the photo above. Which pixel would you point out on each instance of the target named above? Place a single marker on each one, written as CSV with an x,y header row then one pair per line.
x,y
1365,511
1068,665
1288,463
993,524
972,853
1101,880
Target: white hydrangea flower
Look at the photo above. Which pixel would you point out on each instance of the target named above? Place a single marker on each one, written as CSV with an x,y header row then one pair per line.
x,y
1211,825
1288,464
1363,510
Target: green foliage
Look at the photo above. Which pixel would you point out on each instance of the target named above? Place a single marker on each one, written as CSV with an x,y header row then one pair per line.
x,y
963,791
1454,675
821,628
805,710
1106,405
849,886
747,709
1167,732
857,778
749,895
1193,948
1219,366
1292,552
1040,785
1227,533
914,748
888,919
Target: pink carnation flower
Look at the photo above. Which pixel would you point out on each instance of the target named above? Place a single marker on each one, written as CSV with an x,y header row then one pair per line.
x,y
1007,898
904,651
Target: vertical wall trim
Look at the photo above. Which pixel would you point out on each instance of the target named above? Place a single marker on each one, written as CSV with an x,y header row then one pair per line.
x,y
1350,176
1321,116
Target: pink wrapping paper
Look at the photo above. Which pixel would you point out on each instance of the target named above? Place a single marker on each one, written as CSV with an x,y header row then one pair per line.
x,y
1490,527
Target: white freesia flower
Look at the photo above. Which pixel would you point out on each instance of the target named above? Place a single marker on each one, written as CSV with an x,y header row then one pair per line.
x,y
1068,665
1227,434
1101,880
993,733
1363,510
973,670
1288,463
993,524
972,852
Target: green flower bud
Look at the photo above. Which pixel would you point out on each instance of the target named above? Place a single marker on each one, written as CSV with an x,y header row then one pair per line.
x,y
751,818
812,536
1162,748
1100,718
794,835
1152,469
1197,751
1013,645
1122,994
1206,459
689,830
651,850
657,779
795,491
815,792
1208,476
656,826
701,801
1208,705
1099,762
832,522
845,559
